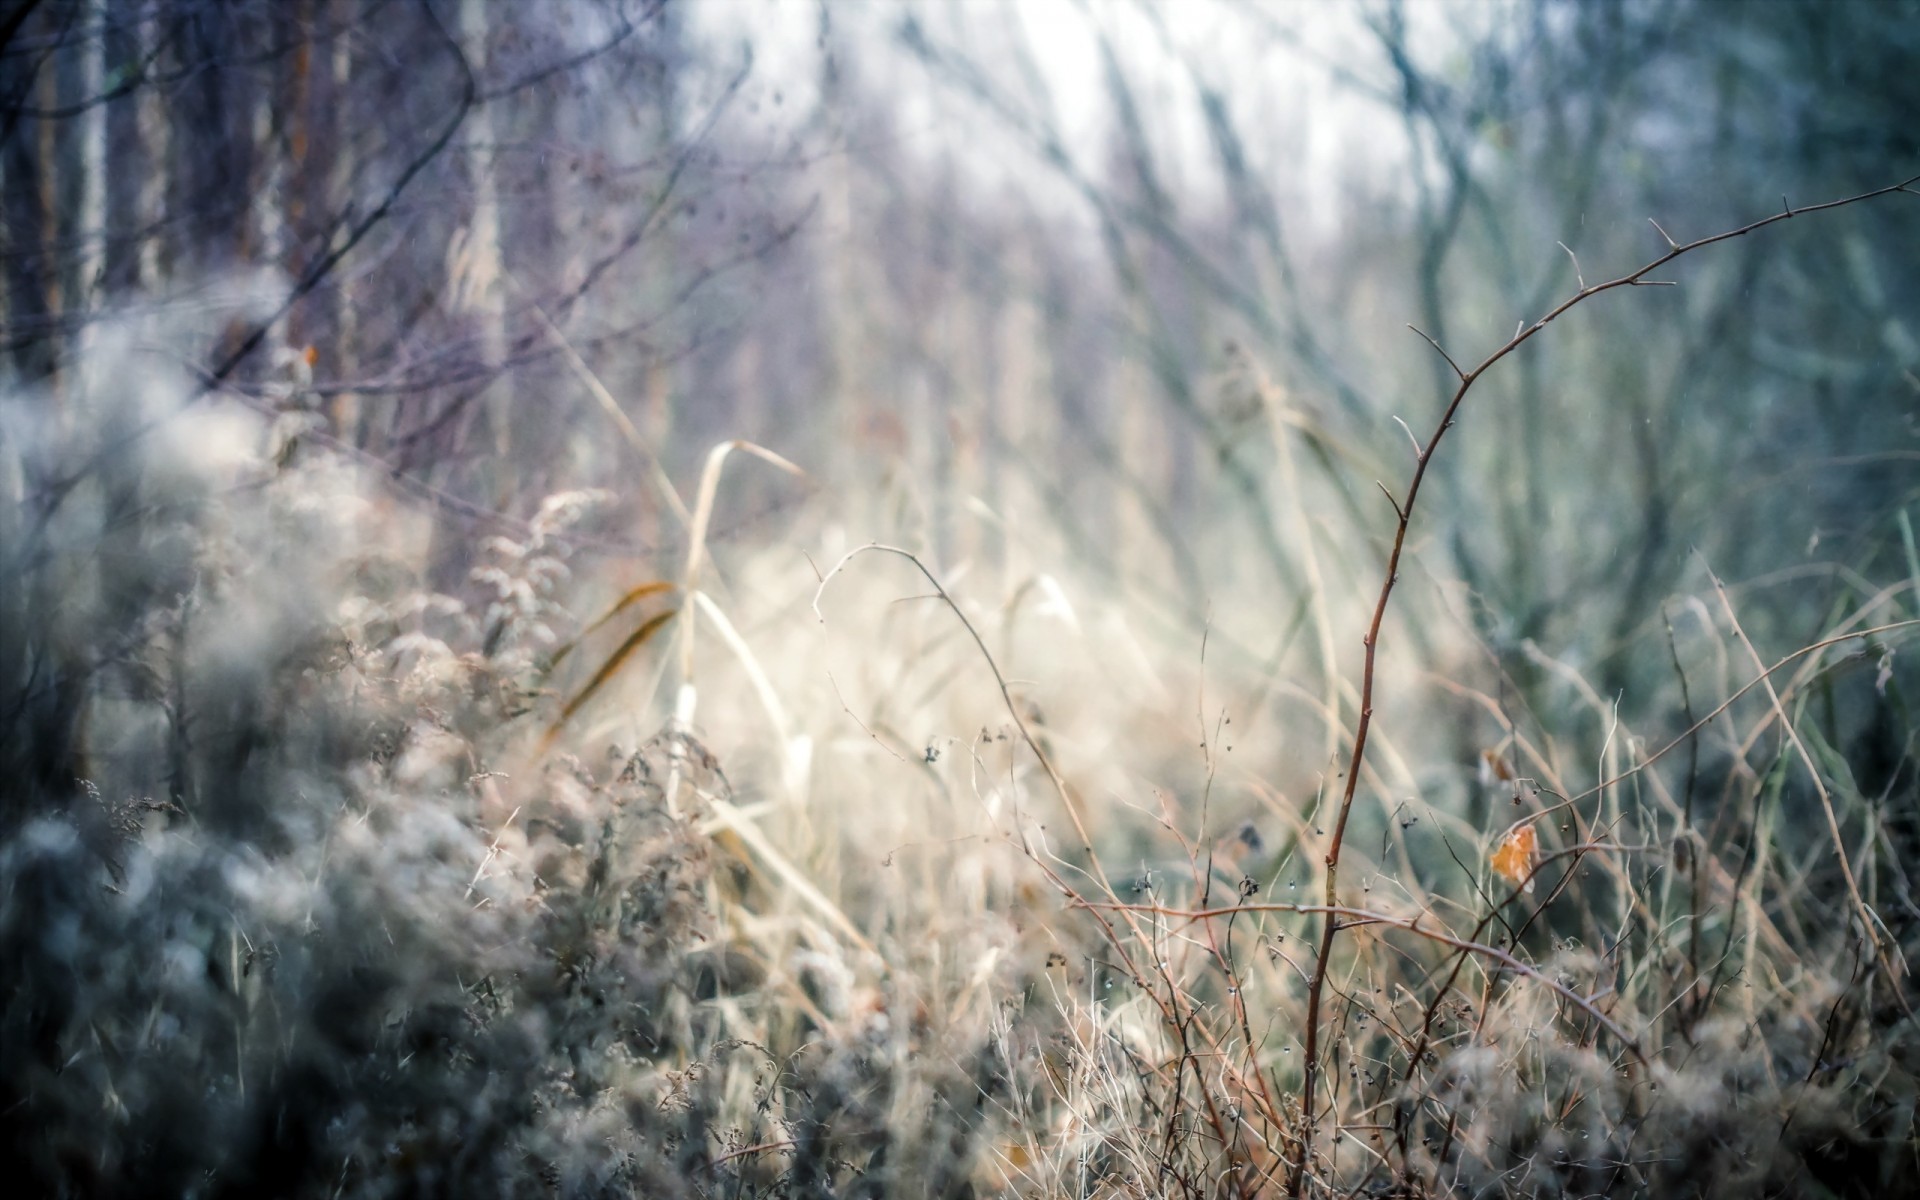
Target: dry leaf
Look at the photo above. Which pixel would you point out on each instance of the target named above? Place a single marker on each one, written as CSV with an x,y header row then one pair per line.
x,y
1494,766
1513,861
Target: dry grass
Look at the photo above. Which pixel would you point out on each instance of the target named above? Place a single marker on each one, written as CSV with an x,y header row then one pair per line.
x,y
821,869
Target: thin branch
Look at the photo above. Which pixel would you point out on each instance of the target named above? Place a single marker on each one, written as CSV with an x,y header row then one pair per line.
x,y
1388,493
598,390
1362,916
1729,702
1443,354
1578,277
1419,451
1371,641
1006,693
1868,919
628,26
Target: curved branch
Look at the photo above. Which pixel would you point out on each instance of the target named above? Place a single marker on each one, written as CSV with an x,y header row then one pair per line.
x,y
1371,641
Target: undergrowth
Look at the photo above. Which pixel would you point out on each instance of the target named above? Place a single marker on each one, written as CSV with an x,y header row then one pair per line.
x,y
810,873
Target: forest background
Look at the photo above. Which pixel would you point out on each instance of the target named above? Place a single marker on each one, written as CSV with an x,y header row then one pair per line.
x,y
453,740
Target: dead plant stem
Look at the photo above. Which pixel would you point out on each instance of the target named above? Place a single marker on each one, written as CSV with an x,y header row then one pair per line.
x,y
1404,512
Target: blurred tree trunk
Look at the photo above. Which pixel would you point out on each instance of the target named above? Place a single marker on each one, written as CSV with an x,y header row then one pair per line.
x,y
479,284
127,159
529,220
210,175
211,155
23,201
841,408
73,176
311,100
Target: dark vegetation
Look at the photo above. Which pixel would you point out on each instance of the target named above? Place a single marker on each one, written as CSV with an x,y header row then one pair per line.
x,y
437,758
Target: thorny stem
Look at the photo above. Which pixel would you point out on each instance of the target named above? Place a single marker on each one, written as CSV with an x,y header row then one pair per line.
x,y
1404,520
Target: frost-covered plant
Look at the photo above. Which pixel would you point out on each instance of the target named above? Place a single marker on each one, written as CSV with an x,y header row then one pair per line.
x,y
286,908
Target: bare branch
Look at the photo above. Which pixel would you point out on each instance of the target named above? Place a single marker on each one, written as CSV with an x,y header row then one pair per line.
x,y
1869,920
1362,916
1443,354
356,231
1419,451
1388,493
1006,692
1363,726
1577,276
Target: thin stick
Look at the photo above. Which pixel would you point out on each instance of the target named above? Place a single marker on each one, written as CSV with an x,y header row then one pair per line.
x,y
1384,491
1458,373
1006,694
1418,450
1363,916
1577,276
1867,916
1371,641
1729,702
598,390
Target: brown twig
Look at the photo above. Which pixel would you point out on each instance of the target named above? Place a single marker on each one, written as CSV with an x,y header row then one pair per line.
x,y
1363,916
1406,508
1178,1011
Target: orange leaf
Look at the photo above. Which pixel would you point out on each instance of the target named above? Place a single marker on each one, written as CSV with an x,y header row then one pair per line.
x,y
1513,861
635,640
654,588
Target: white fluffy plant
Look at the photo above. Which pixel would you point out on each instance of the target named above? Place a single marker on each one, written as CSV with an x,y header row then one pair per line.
x,y
524,574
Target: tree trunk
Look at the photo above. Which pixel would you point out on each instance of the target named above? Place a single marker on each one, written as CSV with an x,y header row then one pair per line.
x,y
127,159
23,206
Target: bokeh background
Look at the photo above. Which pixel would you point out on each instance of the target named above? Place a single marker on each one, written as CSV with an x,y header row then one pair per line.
x,y
401,334
1044,274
